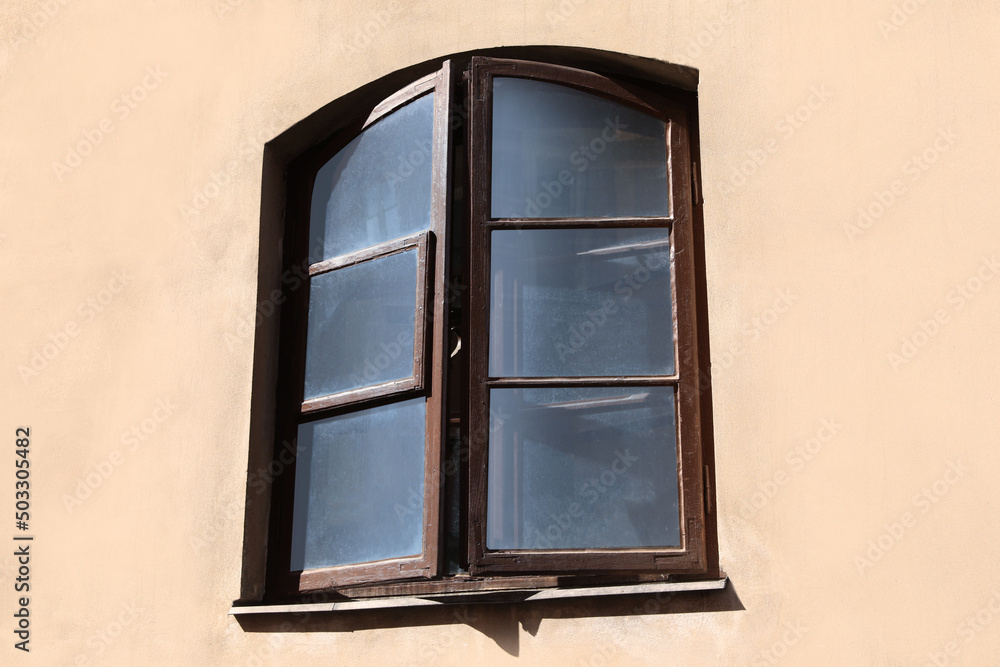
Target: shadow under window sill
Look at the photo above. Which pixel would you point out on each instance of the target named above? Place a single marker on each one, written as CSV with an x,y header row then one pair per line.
x,y
480,597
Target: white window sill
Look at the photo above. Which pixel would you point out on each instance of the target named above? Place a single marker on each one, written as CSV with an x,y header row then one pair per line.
x,y
481,597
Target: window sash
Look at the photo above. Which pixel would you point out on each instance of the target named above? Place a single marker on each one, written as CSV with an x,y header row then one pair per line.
x,y
422,244
430,352
692,555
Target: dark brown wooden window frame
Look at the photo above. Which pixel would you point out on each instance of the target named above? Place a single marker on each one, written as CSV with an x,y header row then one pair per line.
x,y
429,346
418,243
691,556
485,569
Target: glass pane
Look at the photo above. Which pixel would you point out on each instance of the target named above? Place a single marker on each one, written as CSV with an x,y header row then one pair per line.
x,y
574,468
559,152
378,187
359,487
361,325
581,302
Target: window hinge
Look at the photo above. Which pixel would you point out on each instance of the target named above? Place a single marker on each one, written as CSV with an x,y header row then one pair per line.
x,y
696,182
708,491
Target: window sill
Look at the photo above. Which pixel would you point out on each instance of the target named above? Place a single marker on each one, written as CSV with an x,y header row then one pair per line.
x,y
481,597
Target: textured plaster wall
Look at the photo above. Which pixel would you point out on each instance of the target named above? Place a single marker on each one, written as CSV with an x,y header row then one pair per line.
x,y
852,372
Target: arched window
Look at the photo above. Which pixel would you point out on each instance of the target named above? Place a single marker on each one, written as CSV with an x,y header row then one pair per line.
x,y
494,368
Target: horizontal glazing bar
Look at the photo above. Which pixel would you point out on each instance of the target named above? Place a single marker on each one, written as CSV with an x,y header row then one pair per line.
x,y
604,381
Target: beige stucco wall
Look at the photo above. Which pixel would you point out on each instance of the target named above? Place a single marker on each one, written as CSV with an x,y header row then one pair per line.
x,y
146,306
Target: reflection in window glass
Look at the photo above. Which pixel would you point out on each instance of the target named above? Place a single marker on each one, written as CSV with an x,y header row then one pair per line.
x,y
581,302
350,507
574,468
559,152
378,187
361,325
